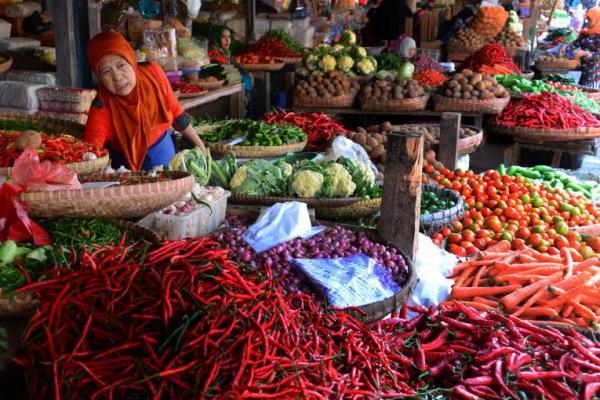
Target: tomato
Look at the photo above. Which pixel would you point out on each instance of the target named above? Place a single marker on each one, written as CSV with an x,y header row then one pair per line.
x,y
518,244
511,213
560,242
464,244
457,226
586,252
480,243
454,238
468,236
428,169
535,240
523,232
573,236
594,243
446,231
553,251
457,250
472,250
506,235
561,228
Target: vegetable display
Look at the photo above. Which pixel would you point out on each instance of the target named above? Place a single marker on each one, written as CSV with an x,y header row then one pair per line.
x,y
423,62
373,140
562,35
268,47
430,78
491,59
500,207
489,21
195,162
546,110
188,88
319,128
510,39
432,203
560,78
531,285
555,179
328,85
63,149
255,133
388,61
20,262
285,38
431,133
466,40
382,90
473,85
255,58
129,178
148,331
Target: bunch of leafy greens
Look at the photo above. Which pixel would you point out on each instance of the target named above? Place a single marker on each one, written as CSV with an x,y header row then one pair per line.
x,y
255,133
195,162
258,178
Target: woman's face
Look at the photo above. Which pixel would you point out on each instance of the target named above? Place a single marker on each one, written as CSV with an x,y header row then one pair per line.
x,y
226,39
411,52
116,75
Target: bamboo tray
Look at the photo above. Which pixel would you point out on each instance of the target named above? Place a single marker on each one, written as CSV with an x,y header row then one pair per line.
x,y
122,201
492,106
291,60
237,198
192,95
560,64
465,145
415,104
81,168
263,67
211,85
546,135
256,151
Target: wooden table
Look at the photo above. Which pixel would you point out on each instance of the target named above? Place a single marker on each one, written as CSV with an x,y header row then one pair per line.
x,y
478,118
234,92
576,147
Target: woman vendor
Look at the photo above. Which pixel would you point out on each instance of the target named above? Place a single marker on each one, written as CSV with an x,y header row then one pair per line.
x,y
589,41
219,52
135,108
407,50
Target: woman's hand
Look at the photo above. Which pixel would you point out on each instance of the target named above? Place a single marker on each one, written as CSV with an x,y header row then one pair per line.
x,y
192,136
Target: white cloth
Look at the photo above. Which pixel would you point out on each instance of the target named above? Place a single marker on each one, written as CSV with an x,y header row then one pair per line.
x,y
404,47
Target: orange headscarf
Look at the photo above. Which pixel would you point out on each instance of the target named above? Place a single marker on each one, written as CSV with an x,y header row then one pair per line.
x,y
593,15
134,115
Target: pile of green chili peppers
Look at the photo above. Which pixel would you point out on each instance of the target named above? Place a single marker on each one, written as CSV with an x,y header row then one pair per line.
x,y
256,133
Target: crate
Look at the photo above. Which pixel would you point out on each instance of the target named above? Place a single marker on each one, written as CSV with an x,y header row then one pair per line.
x,y
65,99
201,221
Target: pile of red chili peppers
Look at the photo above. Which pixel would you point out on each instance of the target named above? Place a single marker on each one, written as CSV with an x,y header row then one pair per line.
x,y
546,110
63,149
182,321
272,48
319,128
490,56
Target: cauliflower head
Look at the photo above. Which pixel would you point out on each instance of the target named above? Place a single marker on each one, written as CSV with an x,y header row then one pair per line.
x,y
365,67
286,168
348,37
303,72
239,177
345,63
361,51
312,62
327,63
307,183
342,184
338,48
366,171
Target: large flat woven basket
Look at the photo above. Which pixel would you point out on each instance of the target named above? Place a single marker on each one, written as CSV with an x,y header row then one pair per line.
x,y
355,211
546,135
418,103
256,151
492,106
560,64
465,145
81,168
211,85
50,125
237,198
292,60
262,67
122,201
344,101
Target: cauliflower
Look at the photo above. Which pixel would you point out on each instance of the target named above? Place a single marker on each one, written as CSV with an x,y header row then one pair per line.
x,y
312,62
348,37
361,51
338,48
239,177
366,171
345,63
286,168
327,63
365,67
303,73
341,180
307,183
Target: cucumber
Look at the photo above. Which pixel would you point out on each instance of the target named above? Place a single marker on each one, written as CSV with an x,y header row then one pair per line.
x,y
543,168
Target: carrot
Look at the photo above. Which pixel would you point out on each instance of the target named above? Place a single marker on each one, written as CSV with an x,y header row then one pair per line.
x,y
464,276
487,301
461,267
486,255
524,258
546,270
512,300
530,302
581,310
526,267
540,312
566,254
478,276
574,281
566,312
590,262
513,279
501,247
593,280
563,298
467,292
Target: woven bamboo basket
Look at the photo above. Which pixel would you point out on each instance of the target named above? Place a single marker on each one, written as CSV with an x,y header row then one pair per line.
x,y
237,198
262,67
431,223
591,93
192,95
354,211
122,201
370,312
52,125
211,85
292,60
465,145
256,151
418,103
344,101
81,168
560,64
5,66
492,106
546,135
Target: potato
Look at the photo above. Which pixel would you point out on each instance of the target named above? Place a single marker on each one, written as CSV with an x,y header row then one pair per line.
x,y
371,141
377,151
28,139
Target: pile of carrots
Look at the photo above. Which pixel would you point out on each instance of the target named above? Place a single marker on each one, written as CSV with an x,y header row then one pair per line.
x,y
561,290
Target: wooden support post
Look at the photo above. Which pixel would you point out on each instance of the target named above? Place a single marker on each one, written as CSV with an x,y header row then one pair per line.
x,y
250,19
401,203
449,135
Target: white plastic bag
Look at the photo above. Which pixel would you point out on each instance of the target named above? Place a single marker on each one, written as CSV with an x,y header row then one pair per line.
x,y
344,147
433,267
193,7
278,224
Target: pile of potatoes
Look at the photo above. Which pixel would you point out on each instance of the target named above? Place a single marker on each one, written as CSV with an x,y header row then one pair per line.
x,y
466,40
510,39
373,141
552,58
431,133
473,85
331,84
389,89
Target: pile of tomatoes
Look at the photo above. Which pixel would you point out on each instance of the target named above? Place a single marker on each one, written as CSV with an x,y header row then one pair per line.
x,y
253,58
511,208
